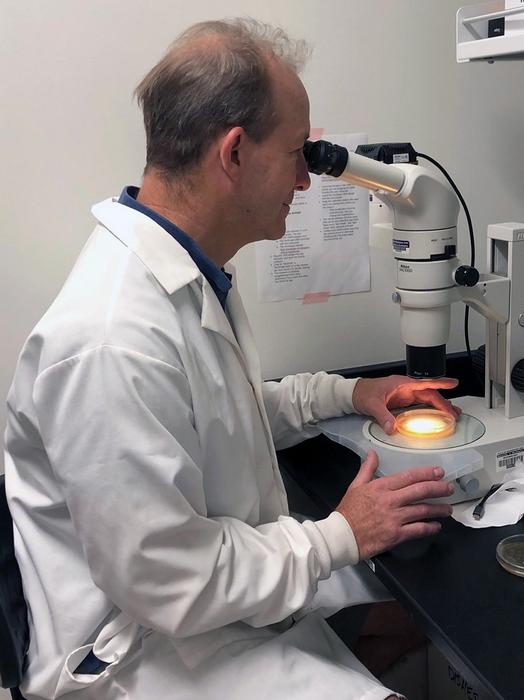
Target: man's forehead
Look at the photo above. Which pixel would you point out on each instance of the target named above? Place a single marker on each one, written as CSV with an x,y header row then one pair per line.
x,y
285,79
295,124
292,92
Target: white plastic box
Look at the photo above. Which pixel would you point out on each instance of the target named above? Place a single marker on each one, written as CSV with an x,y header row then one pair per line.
x,y
349,431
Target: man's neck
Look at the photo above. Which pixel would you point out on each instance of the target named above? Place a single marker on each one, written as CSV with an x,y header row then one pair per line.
x,y
192,211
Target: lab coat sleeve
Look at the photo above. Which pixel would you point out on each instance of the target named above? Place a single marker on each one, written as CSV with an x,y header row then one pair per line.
x,y
295,404
119,432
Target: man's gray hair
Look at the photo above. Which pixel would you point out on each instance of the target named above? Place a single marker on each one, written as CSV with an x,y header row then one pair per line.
x,y
213,77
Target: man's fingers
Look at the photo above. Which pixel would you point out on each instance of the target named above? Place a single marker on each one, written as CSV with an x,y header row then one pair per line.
x,y
412,476
421,491
386,511
414,531
436,400
443,383
425,511
433,398
379,411
367,469
387,423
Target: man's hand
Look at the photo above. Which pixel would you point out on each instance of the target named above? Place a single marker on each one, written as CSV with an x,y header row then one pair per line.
x,y
386,511
373,397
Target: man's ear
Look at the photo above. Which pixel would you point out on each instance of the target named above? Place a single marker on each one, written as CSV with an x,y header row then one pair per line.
x,y
233,150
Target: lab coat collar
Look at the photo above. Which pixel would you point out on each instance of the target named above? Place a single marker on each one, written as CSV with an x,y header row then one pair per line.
x,y
234,326
244,335
213,315
167,260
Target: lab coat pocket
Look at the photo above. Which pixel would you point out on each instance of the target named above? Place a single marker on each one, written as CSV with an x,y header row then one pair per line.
x,y
117,644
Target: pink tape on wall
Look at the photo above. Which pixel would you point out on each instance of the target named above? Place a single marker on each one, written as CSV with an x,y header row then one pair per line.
x,y
315,297
316,133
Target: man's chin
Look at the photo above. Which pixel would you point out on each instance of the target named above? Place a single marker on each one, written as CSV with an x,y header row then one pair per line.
x,y
277,235
279,230
274,233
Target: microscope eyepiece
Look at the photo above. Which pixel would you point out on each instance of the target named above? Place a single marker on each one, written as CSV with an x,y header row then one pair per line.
x,y
323,157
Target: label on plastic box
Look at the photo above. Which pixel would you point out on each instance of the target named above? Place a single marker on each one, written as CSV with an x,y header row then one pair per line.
x,y
510,458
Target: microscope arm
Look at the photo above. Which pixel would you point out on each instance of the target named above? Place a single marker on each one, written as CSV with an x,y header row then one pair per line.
x,y
490,297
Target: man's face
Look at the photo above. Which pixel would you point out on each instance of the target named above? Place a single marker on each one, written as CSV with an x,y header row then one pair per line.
x,y
277,166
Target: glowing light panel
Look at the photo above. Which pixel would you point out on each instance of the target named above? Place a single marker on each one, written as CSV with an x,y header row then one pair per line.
x,y
425,423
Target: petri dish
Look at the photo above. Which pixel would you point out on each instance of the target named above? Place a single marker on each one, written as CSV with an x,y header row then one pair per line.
x,y
468,429
510,554
427,423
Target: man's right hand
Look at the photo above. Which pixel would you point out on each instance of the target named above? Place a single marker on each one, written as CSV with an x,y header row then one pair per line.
x,y
386,511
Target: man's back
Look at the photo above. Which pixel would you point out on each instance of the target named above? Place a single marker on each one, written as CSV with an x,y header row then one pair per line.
x,y
133,419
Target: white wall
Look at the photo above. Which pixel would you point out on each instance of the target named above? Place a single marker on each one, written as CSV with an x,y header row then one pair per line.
x,y
70,135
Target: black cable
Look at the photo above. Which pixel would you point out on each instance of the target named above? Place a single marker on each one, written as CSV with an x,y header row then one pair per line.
x,y
471,239
466,333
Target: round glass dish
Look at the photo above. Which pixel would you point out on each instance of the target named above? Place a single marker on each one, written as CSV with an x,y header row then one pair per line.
x,y
426,423
510,554
467,430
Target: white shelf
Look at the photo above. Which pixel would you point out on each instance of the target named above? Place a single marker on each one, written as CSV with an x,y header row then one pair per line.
x,y
473,43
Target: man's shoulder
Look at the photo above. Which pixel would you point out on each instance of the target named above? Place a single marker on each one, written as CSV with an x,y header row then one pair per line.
x,y
110,298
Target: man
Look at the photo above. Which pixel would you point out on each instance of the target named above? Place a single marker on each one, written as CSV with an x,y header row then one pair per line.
x,y
151,523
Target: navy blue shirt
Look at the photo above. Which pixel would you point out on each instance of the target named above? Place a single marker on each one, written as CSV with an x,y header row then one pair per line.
x,y
219,280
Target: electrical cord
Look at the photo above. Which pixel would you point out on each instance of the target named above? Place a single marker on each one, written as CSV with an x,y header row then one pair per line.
x,y
471,239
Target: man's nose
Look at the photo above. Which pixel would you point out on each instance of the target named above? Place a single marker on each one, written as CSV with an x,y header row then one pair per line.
x,y
302,181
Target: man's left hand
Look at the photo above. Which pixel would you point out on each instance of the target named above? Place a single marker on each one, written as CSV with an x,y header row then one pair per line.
x,y
374,397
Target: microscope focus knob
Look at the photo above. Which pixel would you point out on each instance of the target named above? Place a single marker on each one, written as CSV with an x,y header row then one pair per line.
x,y
517,376
469,484
467,276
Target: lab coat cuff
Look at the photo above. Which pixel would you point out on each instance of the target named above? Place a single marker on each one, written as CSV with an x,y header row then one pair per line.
x,y
338,539
343,392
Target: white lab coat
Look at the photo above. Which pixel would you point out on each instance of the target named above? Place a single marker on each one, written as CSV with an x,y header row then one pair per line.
x,y
151,522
